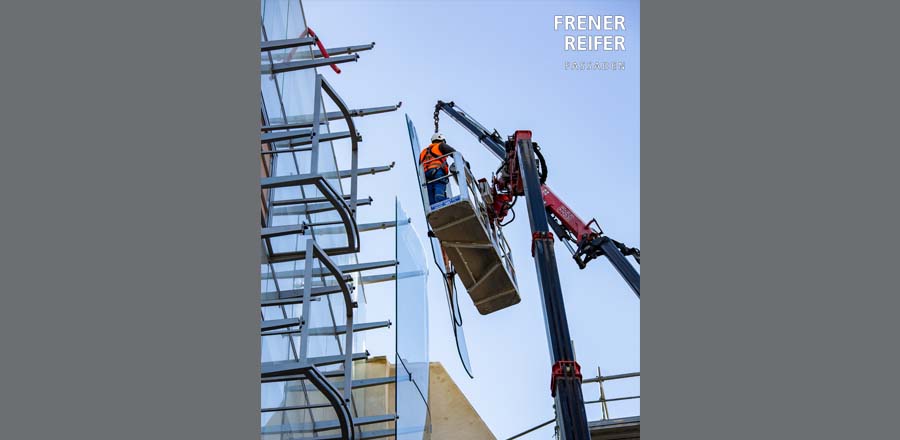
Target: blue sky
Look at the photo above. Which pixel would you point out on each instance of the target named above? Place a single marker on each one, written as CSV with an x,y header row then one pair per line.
x,y
503,63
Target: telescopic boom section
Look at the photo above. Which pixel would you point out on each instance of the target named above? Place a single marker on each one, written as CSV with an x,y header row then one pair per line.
x,y
492,140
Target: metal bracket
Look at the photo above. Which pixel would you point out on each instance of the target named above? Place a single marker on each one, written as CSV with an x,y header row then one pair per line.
x,y
564,369
540,235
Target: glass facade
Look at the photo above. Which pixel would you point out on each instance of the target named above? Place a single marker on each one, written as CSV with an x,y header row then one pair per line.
x,y
316,377
411,332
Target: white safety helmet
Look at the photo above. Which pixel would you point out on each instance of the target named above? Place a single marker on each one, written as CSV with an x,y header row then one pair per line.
x,y
437,137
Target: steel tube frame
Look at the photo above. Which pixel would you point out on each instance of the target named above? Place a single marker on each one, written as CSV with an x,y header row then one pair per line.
x,y
296,407
282,181
305,121
301,201
314,251
354,140
612,377
326,425
323,137
357,383
570,412
355,267
291,66
344,420
298,293
372,279
307,295
330,331
310,132
612,399
281,370
532,429
317,115
304,209
271,45
275,324
336,200
323,85
346,50
277,136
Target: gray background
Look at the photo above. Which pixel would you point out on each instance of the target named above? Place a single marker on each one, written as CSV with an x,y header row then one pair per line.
x,y
769,206
130,219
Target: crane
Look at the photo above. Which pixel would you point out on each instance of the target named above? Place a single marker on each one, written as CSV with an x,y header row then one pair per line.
x,y
585,240
523,173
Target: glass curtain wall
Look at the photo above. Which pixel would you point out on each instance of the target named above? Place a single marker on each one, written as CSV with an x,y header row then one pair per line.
x,y
286,98
298,331
412,360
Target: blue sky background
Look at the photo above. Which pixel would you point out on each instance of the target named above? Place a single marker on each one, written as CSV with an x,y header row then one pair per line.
x,y
502,62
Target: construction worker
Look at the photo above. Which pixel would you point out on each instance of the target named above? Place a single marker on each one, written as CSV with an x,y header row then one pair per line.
x,y
433,159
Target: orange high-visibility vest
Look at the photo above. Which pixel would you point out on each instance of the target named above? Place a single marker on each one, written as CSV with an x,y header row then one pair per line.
x,y
428,155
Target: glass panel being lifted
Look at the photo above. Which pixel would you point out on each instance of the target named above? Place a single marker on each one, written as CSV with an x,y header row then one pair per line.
x,y
475,245
437,253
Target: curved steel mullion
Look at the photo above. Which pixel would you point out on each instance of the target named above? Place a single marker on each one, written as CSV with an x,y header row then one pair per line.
x,y
342,412
345,212
348,304
335,271
354,139
341,208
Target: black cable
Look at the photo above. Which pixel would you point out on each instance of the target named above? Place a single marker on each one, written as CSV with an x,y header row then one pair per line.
x,y
509,207
542,162
514,200
510,220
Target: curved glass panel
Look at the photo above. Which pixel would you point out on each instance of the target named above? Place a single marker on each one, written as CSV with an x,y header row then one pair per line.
x,y
449,288
411,332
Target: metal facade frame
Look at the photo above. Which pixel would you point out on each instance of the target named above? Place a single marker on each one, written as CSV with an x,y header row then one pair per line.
x,y
341,409
337,202
315,265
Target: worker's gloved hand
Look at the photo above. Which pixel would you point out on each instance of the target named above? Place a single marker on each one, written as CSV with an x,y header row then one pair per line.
x,y
453,168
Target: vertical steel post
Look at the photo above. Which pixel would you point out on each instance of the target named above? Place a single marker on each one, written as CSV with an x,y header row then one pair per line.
x,y
317,116
602,395
570,411
354,178
307,300
348,357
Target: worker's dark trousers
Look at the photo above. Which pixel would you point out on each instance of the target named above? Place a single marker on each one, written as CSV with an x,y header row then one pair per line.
x,y
437,190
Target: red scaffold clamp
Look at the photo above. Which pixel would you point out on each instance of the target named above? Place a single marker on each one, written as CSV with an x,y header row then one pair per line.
x,y
322,49
540,236
564,369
